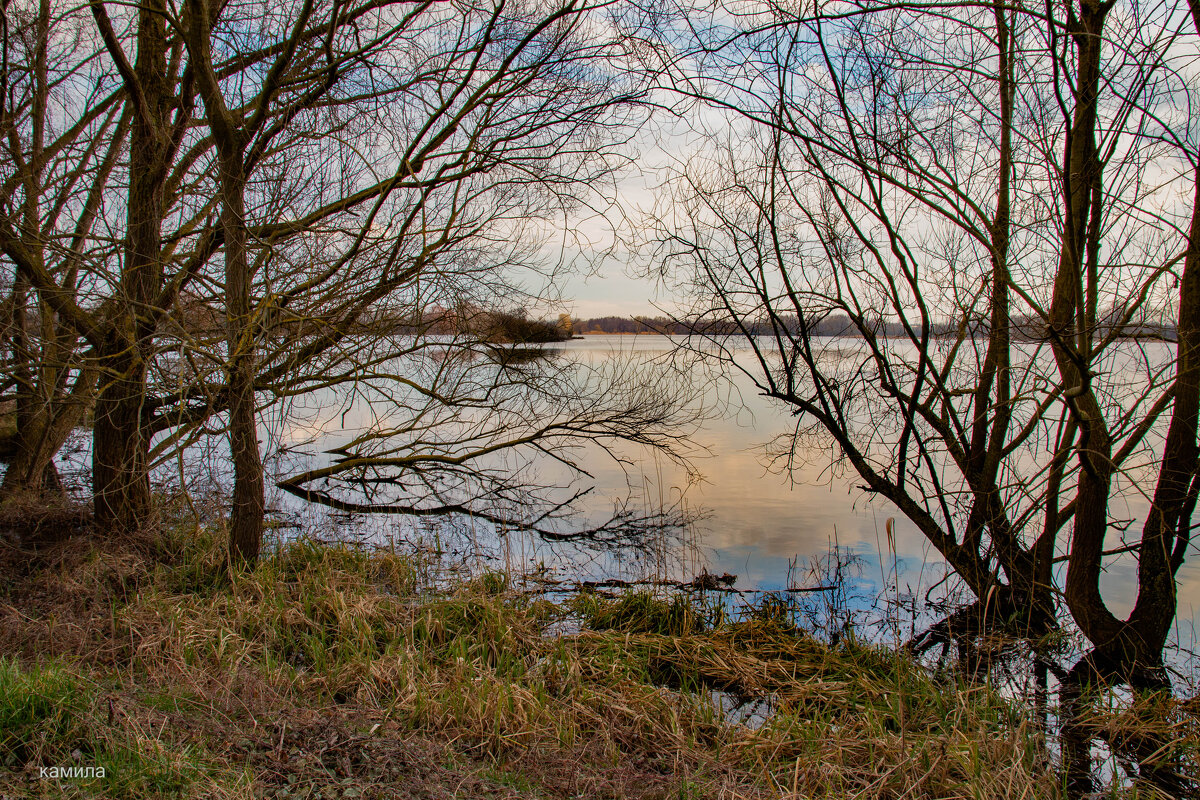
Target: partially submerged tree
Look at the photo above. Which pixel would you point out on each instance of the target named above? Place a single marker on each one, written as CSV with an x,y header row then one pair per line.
x,y
991,195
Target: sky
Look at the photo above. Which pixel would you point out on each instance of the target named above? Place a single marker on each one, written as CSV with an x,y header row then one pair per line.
x,y
612,293
611,286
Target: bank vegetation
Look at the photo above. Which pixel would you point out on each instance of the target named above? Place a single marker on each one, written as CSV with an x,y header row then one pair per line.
x,y
331,672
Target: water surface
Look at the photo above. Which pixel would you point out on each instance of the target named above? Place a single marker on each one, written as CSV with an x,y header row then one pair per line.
x,y
764,521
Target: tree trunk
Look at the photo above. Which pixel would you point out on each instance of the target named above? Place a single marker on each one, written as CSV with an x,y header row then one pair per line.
x,y
246,516
31,468
1070,334
120,450
230,135
1167,530
121,439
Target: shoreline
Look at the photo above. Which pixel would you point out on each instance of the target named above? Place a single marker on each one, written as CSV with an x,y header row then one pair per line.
x,y
331,671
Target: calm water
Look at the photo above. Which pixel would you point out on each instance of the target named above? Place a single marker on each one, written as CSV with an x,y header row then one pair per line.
x,y
756,520
761,521
763,525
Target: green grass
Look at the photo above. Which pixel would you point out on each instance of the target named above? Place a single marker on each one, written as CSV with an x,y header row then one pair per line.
x,y
40,710
52,716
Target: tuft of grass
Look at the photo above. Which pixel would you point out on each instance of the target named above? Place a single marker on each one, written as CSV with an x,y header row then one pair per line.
x,y
641,612
40,711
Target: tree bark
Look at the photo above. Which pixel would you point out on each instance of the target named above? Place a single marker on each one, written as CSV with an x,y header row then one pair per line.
x,y
246,515
231,139
120,455
1070,336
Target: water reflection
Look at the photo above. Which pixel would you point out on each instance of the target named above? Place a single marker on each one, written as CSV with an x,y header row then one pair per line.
x,y
760,520
755,522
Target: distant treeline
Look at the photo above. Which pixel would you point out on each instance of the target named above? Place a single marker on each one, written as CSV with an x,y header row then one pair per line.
x,y
834,325
515,327
1024,329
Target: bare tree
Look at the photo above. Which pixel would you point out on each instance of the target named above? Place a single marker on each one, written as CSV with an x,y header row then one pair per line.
x,y
978,192
499,124
329,179
64,130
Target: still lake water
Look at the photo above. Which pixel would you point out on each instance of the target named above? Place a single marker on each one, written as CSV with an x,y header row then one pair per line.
x,y
760,524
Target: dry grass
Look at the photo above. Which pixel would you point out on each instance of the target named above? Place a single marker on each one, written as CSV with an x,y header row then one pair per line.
x,y
329,672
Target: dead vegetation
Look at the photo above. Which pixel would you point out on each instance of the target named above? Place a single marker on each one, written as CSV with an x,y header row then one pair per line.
x,y
332,672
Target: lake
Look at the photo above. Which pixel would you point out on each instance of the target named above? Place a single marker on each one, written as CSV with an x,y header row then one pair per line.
x,y
764,525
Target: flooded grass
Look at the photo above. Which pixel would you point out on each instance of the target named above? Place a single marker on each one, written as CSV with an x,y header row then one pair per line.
x,y
331,671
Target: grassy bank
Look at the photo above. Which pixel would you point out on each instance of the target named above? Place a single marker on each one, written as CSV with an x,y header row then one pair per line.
x,y
333,673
